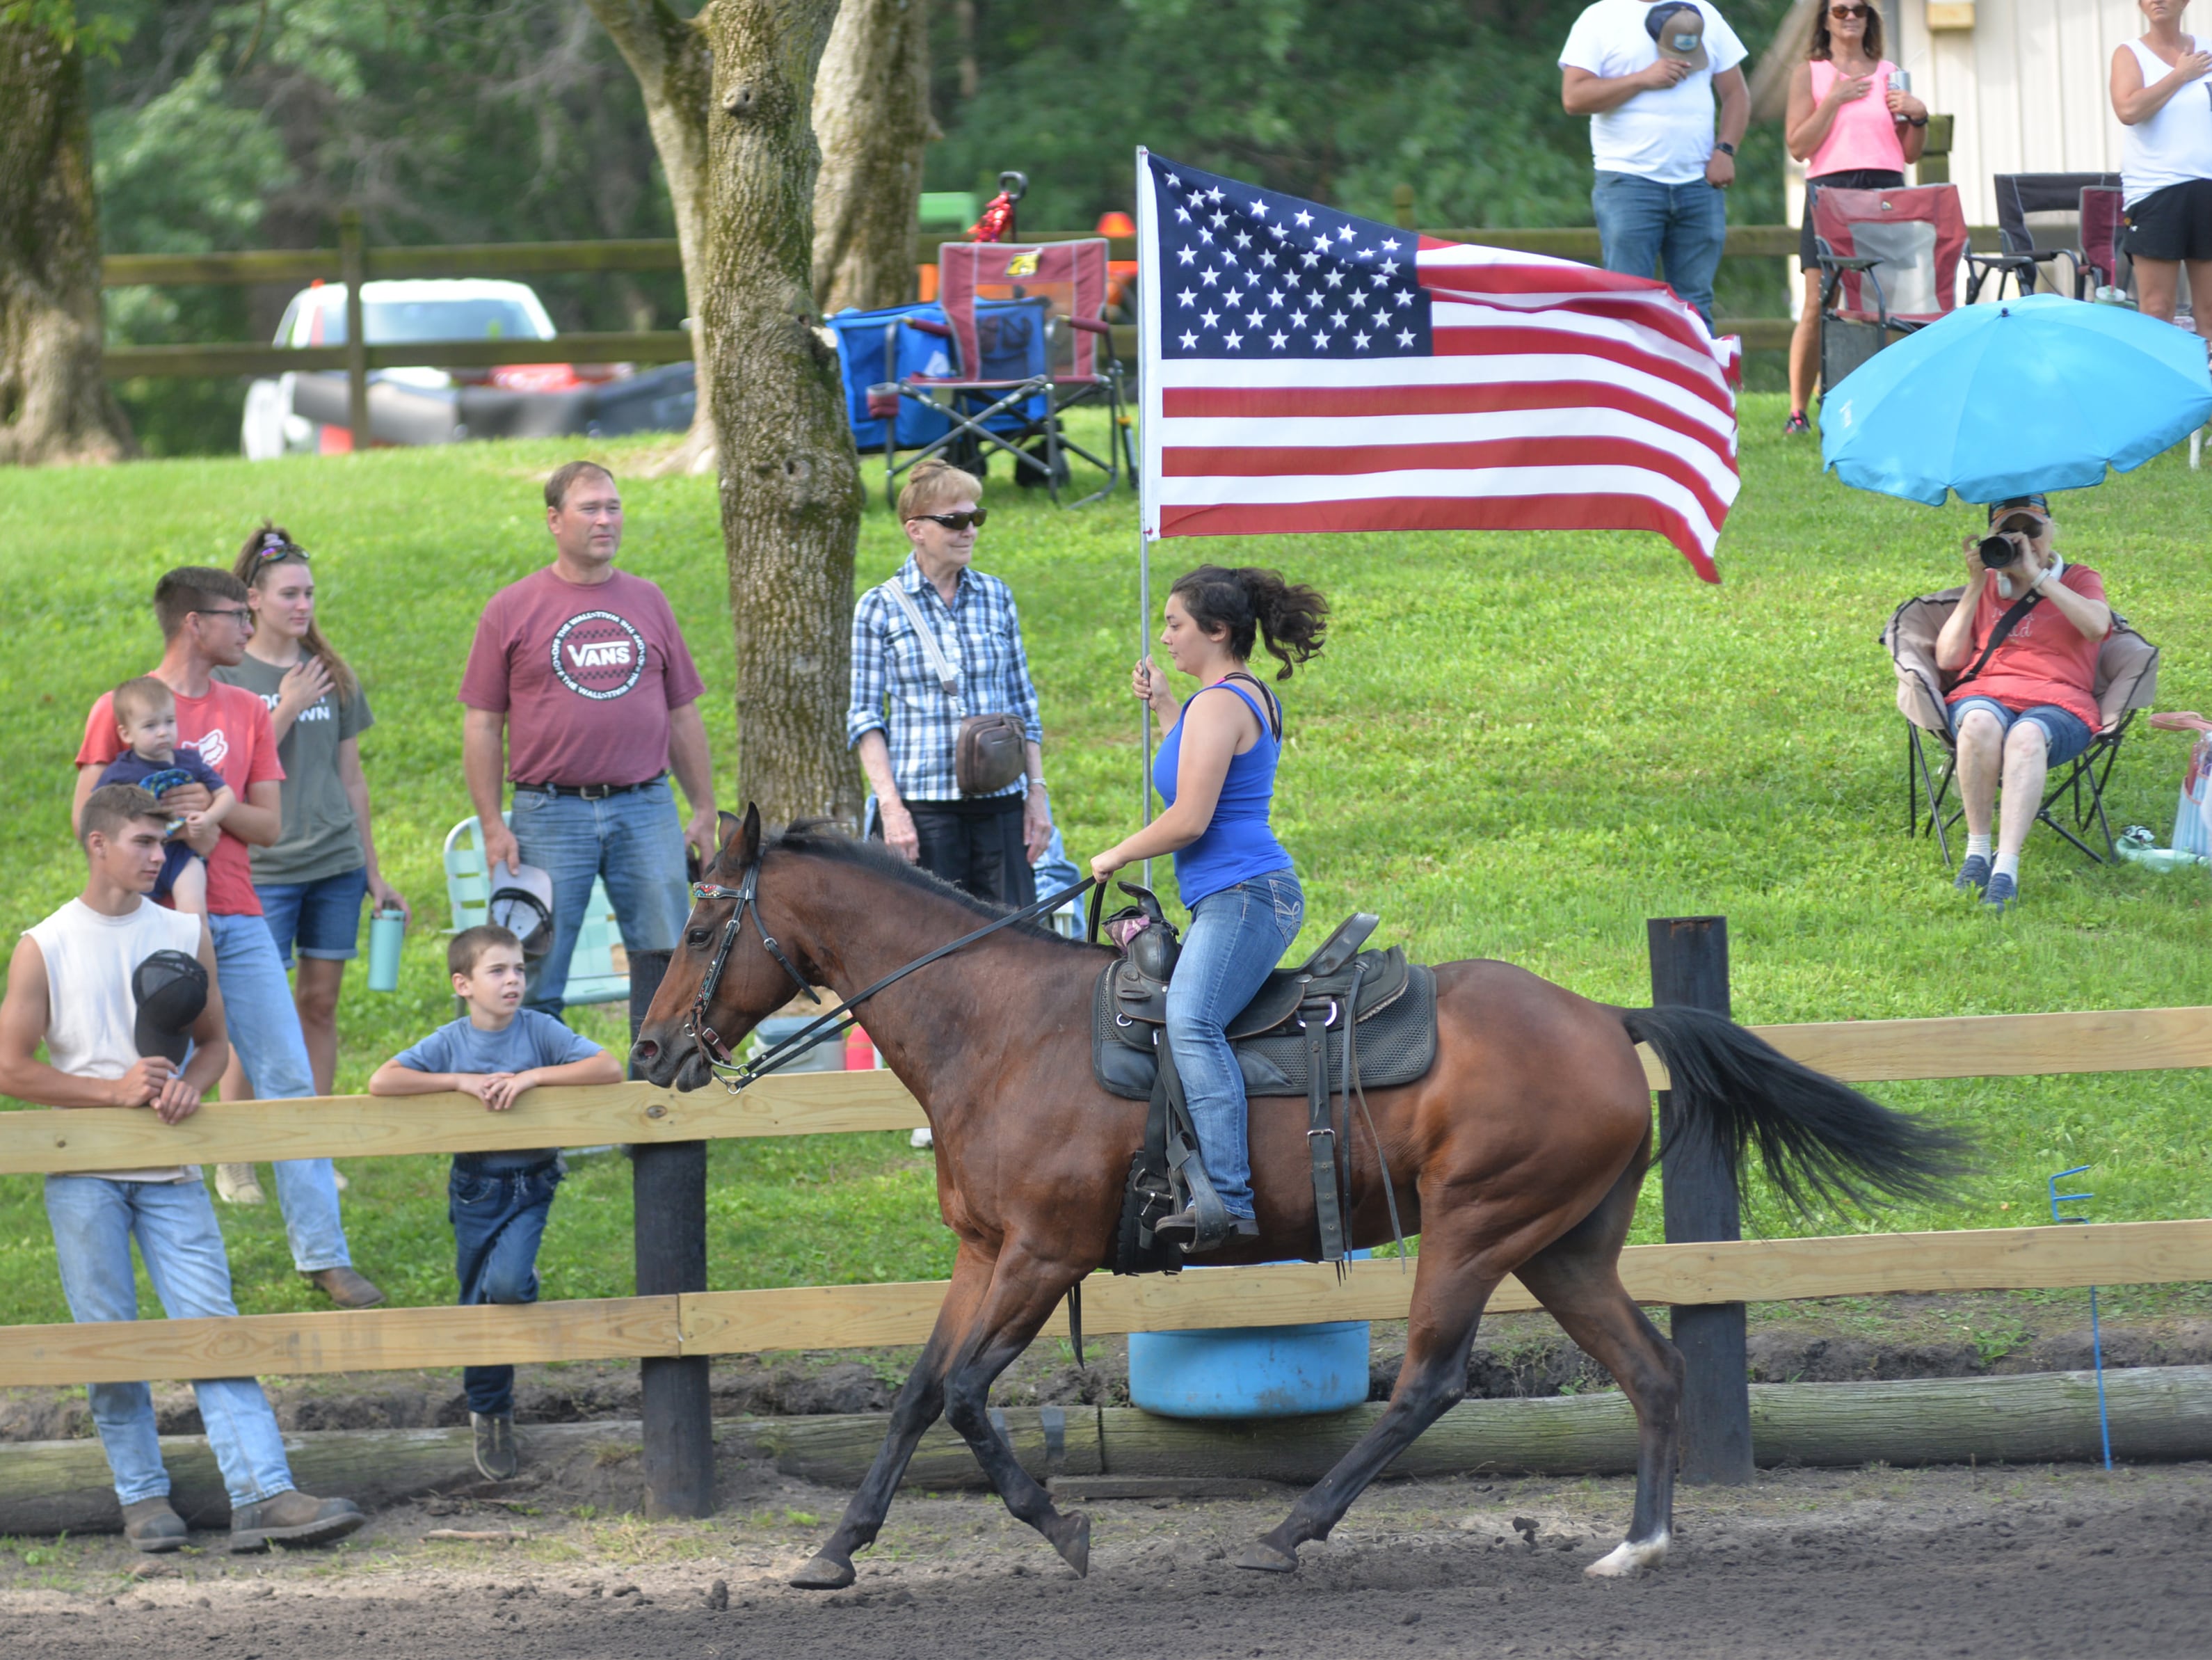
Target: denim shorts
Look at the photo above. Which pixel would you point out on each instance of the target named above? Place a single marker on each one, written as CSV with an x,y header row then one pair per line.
x,y
322,917
2064,732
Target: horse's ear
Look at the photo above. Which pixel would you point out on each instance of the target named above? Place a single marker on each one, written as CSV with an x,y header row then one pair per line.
x,y
741,837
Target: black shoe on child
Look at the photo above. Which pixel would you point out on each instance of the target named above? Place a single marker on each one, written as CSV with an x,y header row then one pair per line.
x,y
495,1444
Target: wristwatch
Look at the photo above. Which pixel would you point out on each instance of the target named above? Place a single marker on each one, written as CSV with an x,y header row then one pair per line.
x,y
1724,147
1913,120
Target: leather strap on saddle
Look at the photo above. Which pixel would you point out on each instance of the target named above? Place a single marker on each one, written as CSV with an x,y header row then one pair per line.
x,y
1321,1132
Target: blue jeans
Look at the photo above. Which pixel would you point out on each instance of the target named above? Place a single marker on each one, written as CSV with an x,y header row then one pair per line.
x,y
94,1220
264,1032
499,1217
2065,734
1236,936
1642,224
633,842
322,917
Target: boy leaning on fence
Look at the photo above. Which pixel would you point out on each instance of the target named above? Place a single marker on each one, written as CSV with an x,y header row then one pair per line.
x,y
123,994
497,1201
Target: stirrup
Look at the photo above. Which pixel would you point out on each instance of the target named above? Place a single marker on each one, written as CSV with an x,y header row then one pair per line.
x,y
1204,1240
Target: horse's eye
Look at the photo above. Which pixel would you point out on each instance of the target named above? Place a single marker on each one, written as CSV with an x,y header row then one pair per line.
x,y
695,937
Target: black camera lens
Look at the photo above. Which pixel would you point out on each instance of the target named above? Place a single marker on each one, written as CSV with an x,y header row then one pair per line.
x,y
1998,551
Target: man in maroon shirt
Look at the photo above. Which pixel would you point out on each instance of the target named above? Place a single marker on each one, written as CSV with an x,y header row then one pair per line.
x,y
581,690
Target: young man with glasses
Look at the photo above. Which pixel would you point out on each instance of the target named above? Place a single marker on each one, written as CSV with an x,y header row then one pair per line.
x,y
907,725
205,624
1646,74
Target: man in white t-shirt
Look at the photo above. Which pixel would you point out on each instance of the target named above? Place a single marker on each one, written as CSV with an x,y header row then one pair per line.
x,y
1646,73
99,983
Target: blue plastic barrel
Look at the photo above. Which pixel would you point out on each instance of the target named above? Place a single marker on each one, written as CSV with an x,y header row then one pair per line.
x,y
1251,1371
825,1054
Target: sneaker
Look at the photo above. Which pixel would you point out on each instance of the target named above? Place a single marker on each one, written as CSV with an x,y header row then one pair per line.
x,y
291,1519
237,1184
2003,891
152,1527
346,1286
495,1444
1796,424
1974,874
921,1138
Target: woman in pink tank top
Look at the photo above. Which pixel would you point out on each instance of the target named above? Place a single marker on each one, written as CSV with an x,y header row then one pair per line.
x,y
1853,131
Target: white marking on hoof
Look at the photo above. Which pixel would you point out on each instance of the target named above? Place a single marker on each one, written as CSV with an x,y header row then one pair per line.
x,y
1627,1560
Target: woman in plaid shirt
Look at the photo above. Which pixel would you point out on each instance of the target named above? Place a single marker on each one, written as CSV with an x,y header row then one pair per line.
x,y
906,725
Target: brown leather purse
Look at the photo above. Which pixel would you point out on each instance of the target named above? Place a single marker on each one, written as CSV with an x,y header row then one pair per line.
x,y
992,750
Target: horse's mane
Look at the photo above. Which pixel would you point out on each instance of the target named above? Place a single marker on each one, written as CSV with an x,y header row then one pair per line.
x,y
825,838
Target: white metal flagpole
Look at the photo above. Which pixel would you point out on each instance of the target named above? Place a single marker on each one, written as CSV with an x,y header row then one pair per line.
x,y
1148,359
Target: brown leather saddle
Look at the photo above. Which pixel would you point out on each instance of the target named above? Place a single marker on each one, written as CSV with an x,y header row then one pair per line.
x,y
1343,1021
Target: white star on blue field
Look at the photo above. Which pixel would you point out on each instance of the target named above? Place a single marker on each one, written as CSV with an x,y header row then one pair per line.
x,y
1247,274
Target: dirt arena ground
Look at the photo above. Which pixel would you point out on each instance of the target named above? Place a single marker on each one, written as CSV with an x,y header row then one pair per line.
x,y
1868,1564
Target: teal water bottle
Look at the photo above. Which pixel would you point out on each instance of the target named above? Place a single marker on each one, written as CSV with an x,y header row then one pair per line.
x,y
386,930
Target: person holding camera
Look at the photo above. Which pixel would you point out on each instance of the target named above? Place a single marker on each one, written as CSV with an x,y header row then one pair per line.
x,y
2022,642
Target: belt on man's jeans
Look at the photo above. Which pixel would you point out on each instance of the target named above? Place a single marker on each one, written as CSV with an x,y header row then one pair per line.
x,y
593,792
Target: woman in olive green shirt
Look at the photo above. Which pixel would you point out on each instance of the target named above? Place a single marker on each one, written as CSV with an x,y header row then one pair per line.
x,y
312,880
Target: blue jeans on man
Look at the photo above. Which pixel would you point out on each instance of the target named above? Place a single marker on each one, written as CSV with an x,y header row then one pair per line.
x,y
632,841
499,1217
1235,939
94,1221
1643,225
265,1034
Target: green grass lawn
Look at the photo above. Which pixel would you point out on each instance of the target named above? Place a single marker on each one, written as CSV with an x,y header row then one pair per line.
x,y
1517,746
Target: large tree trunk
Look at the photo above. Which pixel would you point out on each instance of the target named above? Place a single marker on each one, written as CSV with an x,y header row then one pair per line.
x,y
790,481
871,119
55,404
668,54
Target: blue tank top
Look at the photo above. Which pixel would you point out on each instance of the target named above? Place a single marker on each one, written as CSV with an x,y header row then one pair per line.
x,y
1236,845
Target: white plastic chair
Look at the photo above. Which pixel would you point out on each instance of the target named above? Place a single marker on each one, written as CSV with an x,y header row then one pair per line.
x,y
598,970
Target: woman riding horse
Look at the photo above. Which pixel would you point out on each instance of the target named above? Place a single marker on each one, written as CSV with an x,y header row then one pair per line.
x,y
1216,771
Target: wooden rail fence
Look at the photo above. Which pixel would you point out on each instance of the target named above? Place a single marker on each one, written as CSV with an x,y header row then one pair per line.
x,y
354,261
870,1316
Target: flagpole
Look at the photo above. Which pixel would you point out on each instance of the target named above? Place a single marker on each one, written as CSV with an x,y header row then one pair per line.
x,y
1145,711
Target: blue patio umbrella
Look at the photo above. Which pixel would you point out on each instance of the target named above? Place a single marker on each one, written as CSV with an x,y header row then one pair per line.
x,y
2041,393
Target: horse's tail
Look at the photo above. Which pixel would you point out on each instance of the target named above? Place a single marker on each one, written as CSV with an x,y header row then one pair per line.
x,y
1816,1137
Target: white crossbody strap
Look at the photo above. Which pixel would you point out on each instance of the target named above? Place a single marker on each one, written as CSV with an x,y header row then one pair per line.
x,y
945,677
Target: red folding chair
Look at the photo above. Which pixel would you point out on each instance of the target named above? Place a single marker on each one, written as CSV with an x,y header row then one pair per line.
x,y
2102,218
1889,264
1010,389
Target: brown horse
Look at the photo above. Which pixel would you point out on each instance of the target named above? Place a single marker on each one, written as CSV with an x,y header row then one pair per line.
x,y
1521,1152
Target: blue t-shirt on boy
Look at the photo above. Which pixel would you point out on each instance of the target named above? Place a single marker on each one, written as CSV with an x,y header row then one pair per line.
x,y
531,1039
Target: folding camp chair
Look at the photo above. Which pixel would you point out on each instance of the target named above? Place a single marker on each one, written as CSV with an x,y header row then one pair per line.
x,y
874,347
2105,264
598,968
1028,342
2126,680
2039,221
1889,264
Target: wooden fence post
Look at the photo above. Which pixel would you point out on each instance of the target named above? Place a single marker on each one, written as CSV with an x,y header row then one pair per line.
x,y
1689,964
1401,207
353,269
668,1190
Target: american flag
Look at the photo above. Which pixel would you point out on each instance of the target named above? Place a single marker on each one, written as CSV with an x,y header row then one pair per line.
x,y
1306,370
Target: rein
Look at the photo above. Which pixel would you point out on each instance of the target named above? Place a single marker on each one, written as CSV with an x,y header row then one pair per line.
x,y
737,1076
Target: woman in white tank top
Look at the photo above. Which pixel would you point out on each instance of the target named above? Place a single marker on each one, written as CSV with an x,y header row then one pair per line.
x,y
2162,92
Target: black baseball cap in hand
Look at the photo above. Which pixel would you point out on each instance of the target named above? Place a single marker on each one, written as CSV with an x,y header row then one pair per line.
x,y
172,992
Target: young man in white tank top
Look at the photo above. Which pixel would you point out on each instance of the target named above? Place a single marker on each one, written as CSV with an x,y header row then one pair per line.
x,y
70,985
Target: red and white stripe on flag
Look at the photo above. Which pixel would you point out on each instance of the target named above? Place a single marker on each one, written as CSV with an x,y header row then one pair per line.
x,y
1340,375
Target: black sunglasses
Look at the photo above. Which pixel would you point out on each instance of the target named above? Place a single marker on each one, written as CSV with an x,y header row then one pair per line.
x,y
274,546
956,521
1841,13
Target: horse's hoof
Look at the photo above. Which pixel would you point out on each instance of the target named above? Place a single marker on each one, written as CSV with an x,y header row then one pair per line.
x,y
823,1573
1629,1559
1264,1558
1072,1539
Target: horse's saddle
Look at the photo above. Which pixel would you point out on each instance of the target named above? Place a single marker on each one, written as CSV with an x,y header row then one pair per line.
x,y
1392,1001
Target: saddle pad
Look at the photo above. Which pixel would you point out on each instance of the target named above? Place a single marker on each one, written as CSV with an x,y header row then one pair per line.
x,y
1397,1044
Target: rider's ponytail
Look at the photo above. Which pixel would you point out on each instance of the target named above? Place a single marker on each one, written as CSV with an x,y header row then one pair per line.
x,y
1254,604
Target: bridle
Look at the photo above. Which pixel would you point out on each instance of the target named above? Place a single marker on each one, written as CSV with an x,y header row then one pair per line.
x,y
736,1076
